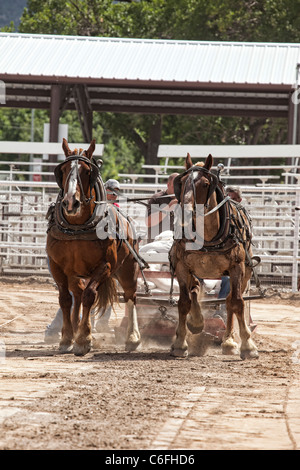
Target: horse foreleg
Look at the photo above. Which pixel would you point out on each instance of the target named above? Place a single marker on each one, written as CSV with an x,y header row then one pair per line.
x,y
75,312
65,302
76,287
83,337
195,320
180,347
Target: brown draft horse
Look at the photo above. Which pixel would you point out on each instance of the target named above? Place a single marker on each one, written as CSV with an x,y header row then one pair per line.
x,y
226,250
83,264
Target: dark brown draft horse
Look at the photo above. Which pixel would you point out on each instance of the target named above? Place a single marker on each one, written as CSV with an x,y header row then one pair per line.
x,y
225,250
81,263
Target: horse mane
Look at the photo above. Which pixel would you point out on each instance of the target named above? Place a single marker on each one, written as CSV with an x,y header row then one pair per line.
x,y
78,151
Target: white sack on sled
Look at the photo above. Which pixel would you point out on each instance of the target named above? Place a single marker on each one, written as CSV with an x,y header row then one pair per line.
x,y
164,284
162,244
141,285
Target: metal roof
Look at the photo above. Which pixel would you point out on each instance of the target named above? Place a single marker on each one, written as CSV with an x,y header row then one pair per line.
x,y
150,76
161,61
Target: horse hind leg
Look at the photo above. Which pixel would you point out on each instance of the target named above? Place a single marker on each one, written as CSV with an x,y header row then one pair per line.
x,y
229,344
133,336
248,347
129,285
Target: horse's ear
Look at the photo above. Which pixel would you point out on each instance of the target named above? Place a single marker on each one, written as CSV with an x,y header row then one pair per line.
x,y
188,162
65,147
177,187
208,162
91,149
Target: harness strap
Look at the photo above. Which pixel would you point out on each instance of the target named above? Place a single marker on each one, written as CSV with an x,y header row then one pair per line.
x,y
218,206
251,264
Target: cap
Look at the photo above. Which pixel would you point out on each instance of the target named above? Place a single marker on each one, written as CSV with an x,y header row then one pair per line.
x,y
113,185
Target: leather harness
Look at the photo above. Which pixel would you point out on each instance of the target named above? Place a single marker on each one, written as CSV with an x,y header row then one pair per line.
x,y
235,222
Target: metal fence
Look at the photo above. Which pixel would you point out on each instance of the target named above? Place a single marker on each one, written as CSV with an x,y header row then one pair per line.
x,y
274,211
275,215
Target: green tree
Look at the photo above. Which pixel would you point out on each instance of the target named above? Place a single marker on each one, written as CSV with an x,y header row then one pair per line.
x,y
224,20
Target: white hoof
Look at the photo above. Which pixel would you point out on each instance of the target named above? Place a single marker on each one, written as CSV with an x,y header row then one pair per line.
x,y
230,348
179,352
132,343
249,354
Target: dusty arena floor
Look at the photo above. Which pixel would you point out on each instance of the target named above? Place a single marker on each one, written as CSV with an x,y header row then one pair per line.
x,y
112,400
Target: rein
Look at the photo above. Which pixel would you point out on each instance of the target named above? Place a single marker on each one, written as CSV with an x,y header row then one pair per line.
x,y
226,237
218,206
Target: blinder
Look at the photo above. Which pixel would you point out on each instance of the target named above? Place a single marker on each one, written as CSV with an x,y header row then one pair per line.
x,y
178,183
94,169
177,186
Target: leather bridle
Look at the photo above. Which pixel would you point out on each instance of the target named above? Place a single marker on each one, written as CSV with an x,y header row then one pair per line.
x,y
94,173
213,180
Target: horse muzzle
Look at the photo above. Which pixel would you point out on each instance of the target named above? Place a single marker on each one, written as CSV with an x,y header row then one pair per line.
x,y
70,205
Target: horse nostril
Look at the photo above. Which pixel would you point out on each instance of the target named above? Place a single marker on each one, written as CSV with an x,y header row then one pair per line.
x,y
70,205
76,204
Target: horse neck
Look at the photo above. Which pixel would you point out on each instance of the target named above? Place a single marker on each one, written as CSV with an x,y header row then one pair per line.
x,y
212,221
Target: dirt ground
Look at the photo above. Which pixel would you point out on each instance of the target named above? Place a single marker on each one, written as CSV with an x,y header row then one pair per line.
x,y
145,400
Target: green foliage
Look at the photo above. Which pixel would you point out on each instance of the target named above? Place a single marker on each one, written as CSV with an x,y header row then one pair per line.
x,y
128,138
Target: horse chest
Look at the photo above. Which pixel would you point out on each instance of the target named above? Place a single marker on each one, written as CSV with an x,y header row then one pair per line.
x,y
207,265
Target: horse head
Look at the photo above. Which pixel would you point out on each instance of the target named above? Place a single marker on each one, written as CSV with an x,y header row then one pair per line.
x,y
76,176
197,184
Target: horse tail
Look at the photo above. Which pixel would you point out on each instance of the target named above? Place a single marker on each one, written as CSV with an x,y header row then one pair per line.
x,y
106,295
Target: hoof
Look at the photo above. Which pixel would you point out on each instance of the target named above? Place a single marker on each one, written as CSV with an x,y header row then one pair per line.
x,y
230,349
132,345
81,349
65,348
249,354
176,352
